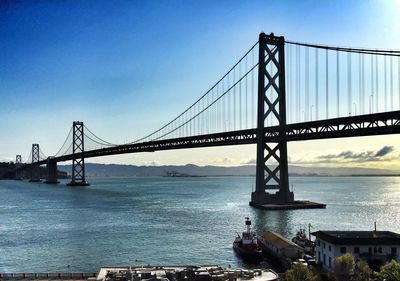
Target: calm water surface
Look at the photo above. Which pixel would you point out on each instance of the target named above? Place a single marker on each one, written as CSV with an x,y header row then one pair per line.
x,y
169,220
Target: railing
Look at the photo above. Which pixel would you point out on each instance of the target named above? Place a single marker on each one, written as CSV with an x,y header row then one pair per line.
x,y
47,275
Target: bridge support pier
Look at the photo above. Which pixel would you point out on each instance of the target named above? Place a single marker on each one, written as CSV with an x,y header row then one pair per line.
x,y
51,167
272,164
78,161
35,169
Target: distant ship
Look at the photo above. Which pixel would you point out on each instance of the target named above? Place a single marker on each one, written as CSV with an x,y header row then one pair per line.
x,y
246,245
175,174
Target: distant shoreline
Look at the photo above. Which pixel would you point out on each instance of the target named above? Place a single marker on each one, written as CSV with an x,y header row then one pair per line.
x,y
192,171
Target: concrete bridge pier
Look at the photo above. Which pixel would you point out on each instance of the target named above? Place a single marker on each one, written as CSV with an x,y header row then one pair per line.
x,y
51,167
35,173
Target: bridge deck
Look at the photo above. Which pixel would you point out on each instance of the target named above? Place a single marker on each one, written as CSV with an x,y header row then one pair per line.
x,y
352,126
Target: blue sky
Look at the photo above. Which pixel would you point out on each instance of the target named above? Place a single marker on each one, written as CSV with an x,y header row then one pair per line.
x,y
127,67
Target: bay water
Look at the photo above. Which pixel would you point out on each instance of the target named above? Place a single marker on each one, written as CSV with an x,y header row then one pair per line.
x,y
170,220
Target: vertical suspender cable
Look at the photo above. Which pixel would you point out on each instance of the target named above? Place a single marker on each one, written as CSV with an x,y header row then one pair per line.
x,y
391,83
359,83
377,83
230,111
240,97
337,84
210,111
327,84
385,84
190,122
227,104
316,84
253,94
247,97
349,82
222,114
297,82
306,85
216,111
372,84
289,83
362,84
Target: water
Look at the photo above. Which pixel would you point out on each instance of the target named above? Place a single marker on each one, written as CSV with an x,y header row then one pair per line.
x,y
169,220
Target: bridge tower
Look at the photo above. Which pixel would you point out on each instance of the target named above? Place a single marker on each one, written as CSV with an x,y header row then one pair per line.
x,y
78,161
272,164
18,163
35,168
51,167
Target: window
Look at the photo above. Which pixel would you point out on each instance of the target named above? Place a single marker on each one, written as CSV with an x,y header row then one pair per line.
x,y
343,250
330,248
324,259
394,251
356,250
380,250
375,250
319,256
330,262
323,245
319,243
370,250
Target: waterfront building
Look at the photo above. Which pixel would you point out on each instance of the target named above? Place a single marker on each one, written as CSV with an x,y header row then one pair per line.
x,y
374,247
279,246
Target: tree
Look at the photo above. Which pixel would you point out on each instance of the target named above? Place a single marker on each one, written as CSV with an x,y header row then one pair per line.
x,y
362,272
390,271
344,267
300,272
327,276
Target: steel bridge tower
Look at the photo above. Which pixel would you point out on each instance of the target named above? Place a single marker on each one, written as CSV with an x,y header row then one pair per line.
x,y
272,164
78,161
18,164
35,168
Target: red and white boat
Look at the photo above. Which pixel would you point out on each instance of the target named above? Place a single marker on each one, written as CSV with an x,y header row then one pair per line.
x,y
246,245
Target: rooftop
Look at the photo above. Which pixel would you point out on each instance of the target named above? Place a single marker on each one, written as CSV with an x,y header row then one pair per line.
x,y
359,237
184,273
278,240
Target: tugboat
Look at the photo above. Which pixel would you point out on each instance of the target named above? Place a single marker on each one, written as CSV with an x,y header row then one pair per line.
x,y
247,246
302,240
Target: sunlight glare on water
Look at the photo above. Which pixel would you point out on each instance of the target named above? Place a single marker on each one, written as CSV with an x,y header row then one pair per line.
x,y
170,220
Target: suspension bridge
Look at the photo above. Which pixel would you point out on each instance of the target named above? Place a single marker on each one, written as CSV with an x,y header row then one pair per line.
x,y
278,91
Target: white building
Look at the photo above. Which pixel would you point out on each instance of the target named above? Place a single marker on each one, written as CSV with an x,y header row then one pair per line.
x,y
375,247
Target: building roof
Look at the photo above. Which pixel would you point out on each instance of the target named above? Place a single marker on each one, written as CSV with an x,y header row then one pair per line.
x,y
278,240
359,237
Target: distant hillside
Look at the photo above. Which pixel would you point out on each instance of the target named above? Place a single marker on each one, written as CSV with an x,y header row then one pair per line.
x,y
114,170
